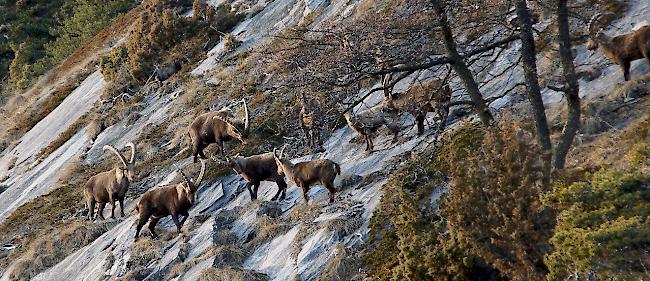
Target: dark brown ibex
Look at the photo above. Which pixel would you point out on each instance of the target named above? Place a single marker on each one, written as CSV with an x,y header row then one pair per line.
x,y
255,169
217,127
306,173
622,49
110,186
174,200
366,124
430,96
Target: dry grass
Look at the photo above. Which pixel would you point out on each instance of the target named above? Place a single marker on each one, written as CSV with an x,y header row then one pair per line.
x,y
267,229
229,255
344,226
609,148
51,249
342,266
143,252
231,274
51,214
304,213
65,136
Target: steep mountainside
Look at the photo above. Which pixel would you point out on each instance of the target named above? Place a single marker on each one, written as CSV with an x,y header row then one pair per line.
x,y
227,236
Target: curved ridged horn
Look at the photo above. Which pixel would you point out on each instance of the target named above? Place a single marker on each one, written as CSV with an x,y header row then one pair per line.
x,y
130,144
230,125
111,148
282,151
198,180
246,123
275,154
595,19
187,180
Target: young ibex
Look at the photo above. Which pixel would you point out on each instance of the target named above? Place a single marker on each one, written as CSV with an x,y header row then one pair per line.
x,y
307,123
366,124
304,174
622,49
431,96
217,127
110,186
174,200
255,169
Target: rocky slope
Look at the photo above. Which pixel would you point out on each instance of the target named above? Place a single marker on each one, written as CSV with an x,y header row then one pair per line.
x,y
288,240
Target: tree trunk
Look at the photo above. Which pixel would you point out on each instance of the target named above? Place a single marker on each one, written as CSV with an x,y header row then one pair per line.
x,y
529,60
460,67
572,88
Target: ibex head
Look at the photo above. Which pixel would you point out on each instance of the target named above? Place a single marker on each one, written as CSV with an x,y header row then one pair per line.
x,y
128,168
237,128
595,29
232,163
188,188
281,162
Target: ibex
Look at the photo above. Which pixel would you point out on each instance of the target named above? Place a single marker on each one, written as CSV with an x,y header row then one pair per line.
x,y
110,186
431,96
255,169
622,49
366,124
307,124
217,127
174,200
306,173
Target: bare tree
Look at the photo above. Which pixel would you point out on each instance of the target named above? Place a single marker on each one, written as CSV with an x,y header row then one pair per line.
x,y
460,66
571,90
529,60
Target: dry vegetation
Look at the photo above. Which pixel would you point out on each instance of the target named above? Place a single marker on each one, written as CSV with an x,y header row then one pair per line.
x,y
229,273
47,251
49,215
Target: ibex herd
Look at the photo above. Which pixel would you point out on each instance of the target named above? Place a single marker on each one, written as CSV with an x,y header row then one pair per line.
x,y
431,96
175,200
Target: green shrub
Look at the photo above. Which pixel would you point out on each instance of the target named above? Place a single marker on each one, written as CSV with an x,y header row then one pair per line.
x,y
44,32
230,42
494,202
79,21
110,64
603,229
409,240
162,40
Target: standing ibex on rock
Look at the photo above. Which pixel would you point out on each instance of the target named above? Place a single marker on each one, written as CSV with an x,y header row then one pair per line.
x,y
306,173
174,200
217,127
622,49
366,124
431,96
307,123
110,186
255,169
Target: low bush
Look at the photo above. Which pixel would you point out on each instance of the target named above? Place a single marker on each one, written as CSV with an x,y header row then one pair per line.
x,y
603,231
408,239
494,202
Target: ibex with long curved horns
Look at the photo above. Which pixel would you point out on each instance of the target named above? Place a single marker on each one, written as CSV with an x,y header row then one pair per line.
x,y
217,127
110,186
622,49
170,200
